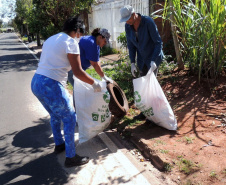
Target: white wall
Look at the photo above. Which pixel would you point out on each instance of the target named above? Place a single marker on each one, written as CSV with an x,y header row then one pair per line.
x,y
107,15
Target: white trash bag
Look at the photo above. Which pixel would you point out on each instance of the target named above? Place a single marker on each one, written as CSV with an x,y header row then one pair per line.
x,y
151,101
92,109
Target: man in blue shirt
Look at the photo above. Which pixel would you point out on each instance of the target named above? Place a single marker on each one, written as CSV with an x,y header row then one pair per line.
x,y
90,50
143,41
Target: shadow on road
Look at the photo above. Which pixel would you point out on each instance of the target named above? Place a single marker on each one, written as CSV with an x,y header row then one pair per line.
x,y
43,170
14,56
29,161
18,63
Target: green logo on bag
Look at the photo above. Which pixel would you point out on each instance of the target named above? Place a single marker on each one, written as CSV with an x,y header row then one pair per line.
x,y
95,116
149,112
137,97
107,113
106,97
102,118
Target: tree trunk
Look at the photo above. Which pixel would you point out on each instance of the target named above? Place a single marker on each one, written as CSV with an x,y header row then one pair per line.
x,y
38,40
21,31
28,33
32,36
175,40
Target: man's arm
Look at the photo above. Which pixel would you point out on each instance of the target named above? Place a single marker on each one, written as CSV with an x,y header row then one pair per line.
x,y
132,49
154,34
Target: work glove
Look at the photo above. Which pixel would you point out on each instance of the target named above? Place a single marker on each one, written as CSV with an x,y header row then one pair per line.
x,y
133,69
153,66
96,86
107,79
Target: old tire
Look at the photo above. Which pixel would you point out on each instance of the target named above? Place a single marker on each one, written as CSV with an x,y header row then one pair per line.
x,y
118,104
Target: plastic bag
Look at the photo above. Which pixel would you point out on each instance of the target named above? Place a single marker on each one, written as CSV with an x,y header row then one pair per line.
x,y
92,109
151,101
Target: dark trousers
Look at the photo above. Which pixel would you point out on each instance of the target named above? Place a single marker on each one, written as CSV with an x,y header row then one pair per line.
x,y
145,71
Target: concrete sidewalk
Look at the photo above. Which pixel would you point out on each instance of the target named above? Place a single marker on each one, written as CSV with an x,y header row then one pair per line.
x,y
110,58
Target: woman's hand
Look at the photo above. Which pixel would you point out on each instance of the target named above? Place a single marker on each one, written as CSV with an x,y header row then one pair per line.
x,y
107,79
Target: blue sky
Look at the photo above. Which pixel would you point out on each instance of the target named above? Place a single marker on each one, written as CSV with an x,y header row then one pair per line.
x,y
7,8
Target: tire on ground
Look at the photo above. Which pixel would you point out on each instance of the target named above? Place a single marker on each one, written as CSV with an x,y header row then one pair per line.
x,y
118,102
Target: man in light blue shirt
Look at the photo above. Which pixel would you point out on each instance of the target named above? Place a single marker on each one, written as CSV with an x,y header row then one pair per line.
x,y
143,41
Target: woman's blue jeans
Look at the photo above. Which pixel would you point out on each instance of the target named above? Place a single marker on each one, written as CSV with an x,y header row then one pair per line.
x,y
55,99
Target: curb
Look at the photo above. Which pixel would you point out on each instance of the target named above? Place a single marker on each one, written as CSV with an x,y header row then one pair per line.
x,y
36,52
157,161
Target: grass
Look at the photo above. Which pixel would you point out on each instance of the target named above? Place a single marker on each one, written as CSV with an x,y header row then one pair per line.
x,y
130,122
168,167
189,140
158,142
213,174
93,73
164,151
187,166
132,112
24,39
224,172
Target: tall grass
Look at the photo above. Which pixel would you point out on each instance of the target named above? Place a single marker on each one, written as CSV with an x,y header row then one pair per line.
x,y
202,34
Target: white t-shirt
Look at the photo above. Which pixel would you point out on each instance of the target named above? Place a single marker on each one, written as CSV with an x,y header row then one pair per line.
x,y
54,62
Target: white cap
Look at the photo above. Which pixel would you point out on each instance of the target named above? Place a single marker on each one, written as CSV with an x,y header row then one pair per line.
x,y
126,13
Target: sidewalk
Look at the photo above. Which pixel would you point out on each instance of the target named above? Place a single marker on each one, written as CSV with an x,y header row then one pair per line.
x,y
105,60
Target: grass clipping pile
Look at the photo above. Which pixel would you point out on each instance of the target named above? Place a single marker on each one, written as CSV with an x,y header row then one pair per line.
x,y
196,152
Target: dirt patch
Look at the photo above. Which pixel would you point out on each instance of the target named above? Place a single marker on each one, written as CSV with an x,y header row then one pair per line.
x,y
196,152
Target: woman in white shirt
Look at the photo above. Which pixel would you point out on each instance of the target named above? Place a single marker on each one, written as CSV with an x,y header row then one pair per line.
x,y
60,54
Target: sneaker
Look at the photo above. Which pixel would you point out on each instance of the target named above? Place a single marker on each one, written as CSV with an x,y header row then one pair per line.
x,y
59,148
140,117
76,161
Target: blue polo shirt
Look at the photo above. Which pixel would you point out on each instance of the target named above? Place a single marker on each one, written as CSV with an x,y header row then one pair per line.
x,y
147,46
89,50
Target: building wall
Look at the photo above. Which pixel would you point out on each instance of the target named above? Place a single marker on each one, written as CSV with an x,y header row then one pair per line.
x,y
107,15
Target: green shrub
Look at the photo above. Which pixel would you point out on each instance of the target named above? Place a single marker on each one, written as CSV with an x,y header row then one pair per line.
x,y
201,30
167,67
106,50
24,39
122,40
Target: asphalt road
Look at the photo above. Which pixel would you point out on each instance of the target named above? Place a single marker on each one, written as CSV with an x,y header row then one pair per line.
x,y
26,147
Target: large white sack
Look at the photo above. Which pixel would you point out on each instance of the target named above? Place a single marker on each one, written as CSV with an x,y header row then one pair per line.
x,y
92,109
151,101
